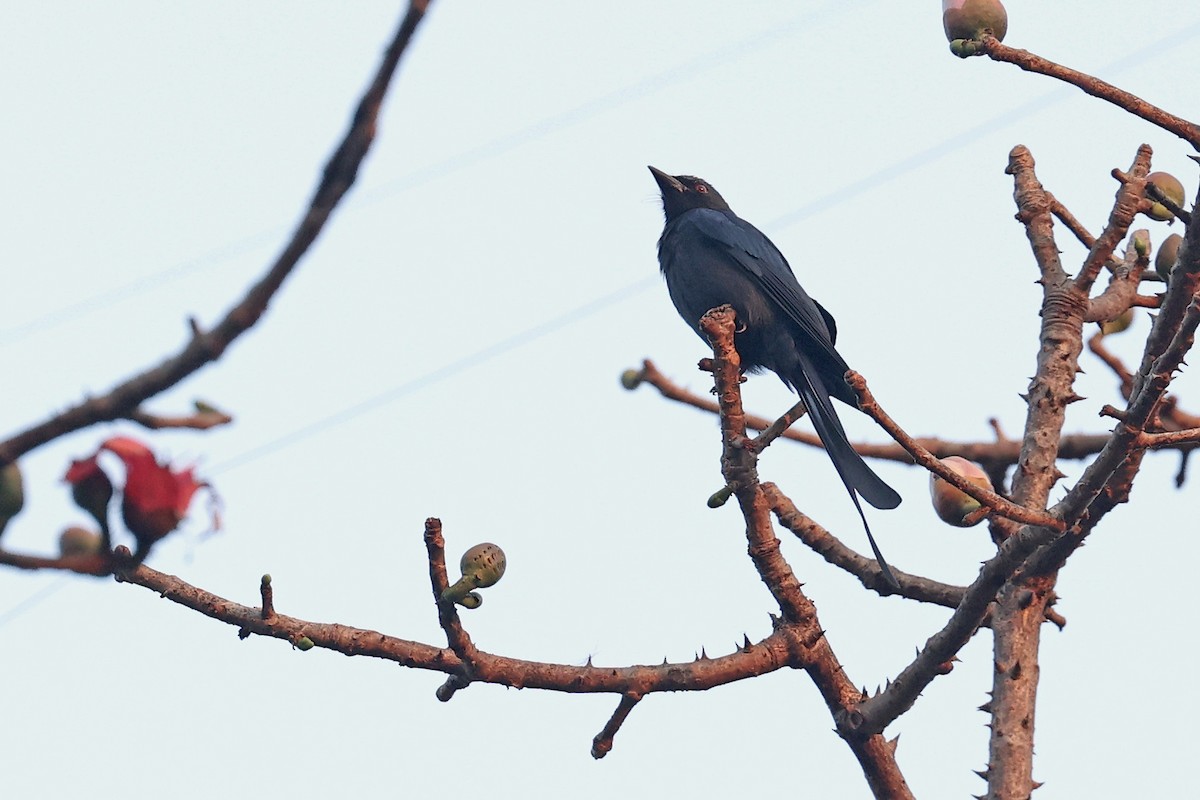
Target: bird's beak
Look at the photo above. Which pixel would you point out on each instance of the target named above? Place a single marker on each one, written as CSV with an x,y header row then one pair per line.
x,y
666,183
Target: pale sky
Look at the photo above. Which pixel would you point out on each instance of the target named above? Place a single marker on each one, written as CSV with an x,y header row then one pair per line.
x,y
451,347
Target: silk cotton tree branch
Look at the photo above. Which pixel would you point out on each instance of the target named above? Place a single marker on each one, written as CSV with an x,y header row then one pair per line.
x,y
875,755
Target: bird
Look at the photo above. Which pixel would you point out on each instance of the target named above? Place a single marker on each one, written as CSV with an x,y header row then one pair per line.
x,y
711,257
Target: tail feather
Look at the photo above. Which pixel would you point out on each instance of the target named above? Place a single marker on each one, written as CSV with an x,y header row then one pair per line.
x,y
857,477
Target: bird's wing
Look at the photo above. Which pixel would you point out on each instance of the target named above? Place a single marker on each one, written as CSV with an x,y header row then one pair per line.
x,y
756,254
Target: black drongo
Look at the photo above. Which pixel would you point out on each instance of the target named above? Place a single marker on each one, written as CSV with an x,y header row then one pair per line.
x,y
711,257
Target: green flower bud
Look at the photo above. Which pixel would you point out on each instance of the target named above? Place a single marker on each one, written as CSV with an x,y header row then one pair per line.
x,y
303,644
77,541
482,566
1141,245
486,562
631,379
951,504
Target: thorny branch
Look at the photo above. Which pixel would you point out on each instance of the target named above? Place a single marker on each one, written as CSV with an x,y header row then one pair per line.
x,y
875,755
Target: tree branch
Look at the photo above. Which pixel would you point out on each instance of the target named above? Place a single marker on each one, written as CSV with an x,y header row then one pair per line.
x,y
875,755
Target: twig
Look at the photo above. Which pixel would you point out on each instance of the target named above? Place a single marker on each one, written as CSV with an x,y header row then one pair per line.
x,y
268,597
778,427
603,742
771,654
1000,505
1125,208
1158,196
829,547
94,564
1156,441
201,420
456,636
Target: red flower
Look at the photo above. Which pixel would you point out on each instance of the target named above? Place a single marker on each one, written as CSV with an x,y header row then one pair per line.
x,y
155,498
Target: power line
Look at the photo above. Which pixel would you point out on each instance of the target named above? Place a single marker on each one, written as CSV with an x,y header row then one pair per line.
x,y
35,599
457,367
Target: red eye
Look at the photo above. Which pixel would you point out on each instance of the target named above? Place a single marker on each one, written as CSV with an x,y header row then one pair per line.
x,y
701,188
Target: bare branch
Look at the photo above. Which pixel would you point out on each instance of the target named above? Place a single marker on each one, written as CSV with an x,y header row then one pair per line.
x,y
458,639
201,420
829,547
769,655
812,649
602,744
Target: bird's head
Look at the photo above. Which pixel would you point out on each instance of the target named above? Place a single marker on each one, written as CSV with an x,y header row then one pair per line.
x,y
682,193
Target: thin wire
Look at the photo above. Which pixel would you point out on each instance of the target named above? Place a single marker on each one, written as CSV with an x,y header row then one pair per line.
x,y
36,599
456,367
